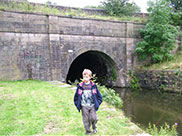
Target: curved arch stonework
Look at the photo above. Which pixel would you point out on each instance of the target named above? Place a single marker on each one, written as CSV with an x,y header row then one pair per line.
x,y
120,81
91,48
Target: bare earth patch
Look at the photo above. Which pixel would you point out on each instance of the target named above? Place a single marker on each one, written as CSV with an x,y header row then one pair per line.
x,y
50,128
8,96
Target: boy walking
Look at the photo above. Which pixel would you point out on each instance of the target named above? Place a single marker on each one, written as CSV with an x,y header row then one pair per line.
x,y
88,99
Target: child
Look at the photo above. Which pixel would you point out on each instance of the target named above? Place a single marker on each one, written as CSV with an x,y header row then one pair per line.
x,y
88,98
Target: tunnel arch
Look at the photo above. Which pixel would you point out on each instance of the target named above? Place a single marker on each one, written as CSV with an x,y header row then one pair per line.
x,y
98,62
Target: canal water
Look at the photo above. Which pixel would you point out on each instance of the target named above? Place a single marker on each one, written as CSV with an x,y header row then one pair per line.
x,y
152,107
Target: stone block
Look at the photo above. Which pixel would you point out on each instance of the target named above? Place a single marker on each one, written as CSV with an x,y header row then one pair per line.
x,y
22,22
70,26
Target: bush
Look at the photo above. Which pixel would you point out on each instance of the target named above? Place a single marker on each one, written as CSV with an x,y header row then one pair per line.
x,y
177,5
110,96
134,82
159,36
177,17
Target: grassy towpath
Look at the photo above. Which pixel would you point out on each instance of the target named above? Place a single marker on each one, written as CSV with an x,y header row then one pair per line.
x,y
41,108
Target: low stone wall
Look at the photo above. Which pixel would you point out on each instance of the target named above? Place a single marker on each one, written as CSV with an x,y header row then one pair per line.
x,y
89,11
160,80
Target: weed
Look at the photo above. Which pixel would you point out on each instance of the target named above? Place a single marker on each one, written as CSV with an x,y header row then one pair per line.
x,y
165,130
134,82
25,6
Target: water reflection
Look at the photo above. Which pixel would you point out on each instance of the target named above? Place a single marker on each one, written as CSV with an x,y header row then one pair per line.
x,y
152,107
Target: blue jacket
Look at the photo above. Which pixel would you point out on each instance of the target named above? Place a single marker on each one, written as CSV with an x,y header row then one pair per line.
x,y
97,97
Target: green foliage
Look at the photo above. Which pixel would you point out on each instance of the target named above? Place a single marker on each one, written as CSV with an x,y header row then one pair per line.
x,y
1,8
94,78
110,96
94,7
25,6
113,74
165,130
71,13
177,17
134,83
174,64
120,7
177,5
159,36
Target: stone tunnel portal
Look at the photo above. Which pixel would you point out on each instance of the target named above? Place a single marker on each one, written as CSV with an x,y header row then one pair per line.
x,y
98,62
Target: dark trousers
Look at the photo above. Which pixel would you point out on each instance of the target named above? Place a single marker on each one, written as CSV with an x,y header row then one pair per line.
x,y
89,116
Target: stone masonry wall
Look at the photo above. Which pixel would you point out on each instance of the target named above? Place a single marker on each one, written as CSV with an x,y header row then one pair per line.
x,y
19,51
160,80
42,46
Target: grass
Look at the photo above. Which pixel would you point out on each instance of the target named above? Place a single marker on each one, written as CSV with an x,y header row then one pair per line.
x,y
174,64
165,130
28,7
38,108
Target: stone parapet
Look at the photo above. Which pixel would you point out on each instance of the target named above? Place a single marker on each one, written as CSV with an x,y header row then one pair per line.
x,y
21,22
89,11
81,26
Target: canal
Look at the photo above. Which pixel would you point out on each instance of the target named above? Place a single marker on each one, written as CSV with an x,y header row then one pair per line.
x,y
152,107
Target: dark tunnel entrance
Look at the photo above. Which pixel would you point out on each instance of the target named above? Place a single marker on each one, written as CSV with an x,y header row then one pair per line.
x,y
99,63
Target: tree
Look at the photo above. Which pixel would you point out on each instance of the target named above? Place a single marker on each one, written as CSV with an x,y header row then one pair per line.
x,y
49,3
120,7
177,5
177,16
159,36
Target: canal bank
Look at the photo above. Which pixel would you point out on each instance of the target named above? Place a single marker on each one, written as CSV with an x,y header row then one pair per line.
x,y
152,107
170,80
156,99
